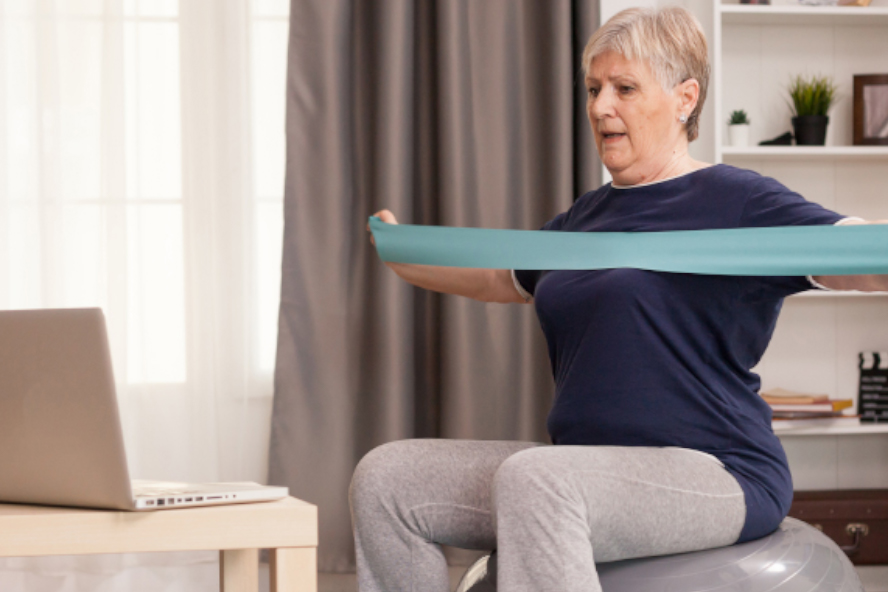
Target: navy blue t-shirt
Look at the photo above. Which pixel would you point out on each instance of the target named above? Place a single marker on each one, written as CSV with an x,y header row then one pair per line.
x,y
645,358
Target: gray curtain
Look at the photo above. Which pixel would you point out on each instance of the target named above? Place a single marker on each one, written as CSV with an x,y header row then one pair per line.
x,y
447,112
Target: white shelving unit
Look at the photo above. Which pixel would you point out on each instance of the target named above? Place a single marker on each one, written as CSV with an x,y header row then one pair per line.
x,y
806,153
756,51
801,15
800,28
862,429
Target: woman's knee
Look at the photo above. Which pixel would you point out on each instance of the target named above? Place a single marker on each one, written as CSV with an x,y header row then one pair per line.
x,y
382,468
528,478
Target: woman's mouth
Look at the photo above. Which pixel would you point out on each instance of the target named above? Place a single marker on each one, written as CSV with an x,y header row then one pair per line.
x,y
610,138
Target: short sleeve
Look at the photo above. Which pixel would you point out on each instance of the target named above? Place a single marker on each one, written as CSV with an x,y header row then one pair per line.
x,y
526,279
814,283
771,203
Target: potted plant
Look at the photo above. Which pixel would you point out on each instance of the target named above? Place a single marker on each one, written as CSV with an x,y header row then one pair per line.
x,y
811,99
738,128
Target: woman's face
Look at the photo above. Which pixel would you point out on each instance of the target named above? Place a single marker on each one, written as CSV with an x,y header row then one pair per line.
x,y
635,121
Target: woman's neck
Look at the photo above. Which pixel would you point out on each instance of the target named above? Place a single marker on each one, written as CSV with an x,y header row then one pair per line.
x,y
616,185
679,163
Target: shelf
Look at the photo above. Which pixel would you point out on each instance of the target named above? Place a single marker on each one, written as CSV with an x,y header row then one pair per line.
x,y
858,430
806,152
790,14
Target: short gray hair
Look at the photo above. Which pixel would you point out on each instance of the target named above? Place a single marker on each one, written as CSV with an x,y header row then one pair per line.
x,y
669,39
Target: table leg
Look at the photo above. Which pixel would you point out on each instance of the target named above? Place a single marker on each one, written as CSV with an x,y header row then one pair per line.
x,y
293,569
239,570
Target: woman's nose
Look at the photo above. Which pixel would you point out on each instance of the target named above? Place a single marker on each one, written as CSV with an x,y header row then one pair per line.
x,y
602,105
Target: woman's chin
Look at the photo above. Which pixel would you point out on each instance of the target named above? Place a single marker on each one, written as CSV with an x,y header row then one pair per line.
x,y
614,156
614,164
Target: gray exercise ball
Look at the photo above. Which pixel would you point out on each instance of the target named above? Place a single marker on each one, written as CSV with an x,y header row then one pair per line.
x,y
795,558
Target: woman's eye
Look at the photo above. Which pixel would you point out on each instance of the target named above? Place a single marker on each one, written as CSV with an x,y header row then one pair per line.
x,y
626,89
593,92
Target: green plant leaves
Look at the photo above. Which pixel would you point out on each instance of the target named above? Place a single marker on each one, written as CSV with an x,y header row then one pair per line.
x,y
812,95
738,118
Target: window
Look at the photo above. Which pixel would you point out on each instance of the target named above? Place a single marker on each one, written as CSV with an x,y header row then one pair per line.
x,y
142,170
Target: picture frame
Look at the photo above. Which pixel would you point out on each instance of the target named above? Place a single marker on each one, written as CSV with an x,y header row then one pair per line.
x,y
871,109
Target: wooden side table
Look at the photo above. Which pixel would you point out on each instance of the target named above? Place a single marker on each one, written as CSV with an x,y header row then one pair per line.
x,y
288,527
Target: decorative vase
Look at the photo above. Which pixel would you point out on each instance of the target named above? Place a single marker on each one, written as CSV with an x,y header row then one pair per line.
x,y
738,134
810,130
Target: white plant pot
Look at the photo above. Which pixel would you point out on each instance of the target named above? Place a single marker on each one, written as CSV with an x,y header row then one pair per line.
x,y
738,134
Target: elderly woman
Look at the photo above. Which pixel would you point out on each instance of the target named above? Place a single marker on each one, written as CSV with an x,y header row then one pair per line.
x,y
661,441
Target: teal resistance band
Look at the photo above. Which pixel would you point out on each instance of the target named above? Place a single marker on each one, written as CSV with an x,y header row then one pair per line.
x,y
785,250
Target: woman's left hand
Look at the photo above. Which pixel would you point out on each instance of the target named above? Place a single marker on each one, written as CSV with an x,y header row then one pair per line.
x,y
862,283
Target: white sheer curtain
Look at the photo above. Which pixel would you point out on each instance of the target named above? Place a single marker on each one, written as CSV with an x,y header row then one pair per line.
x,y
141,170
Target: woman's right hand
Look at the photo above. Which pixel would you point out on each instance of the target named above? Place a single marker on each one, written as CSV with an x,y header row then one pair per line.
x,y
387,217
486,285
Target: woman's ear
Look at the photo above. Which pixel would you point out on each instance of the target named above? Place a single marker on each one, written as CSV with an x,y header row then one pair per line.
x,y
688,94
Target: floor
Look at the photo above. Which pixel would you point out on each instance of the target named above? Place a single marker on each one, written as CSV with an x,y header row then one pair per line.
x,y
347,583
147,572
874,579
204,575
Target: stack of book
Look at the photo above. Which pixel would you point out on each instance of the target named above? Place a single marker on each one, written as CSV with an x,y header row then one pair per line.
x,y
791,409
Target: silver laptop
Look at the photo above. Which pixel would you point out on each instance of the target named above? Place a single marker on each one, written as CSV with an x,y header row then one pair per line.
x,y
61,442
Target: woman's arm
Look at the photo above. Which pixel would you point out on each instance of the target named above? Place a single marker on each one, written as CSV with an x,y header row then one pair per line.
x,y
486,285
863,283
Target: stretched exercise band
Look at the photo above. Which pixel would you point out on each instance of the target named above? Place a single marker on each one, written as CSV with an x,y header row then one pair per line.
x,y
785,250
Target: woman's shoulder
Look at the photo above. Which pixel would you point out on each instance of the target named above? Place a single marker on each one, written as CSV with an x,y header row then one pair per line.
x,y
729,174
582,205
594,194
744,185
768,202
735,196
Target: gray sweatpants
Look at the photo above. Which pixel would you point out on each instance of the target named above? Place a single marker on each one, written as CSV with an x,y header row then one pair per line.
x,y
551,512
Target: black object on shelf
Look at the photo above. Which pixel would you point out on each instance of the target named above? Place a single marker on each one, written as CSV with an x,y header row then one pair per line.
x,y
781,140
872,394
